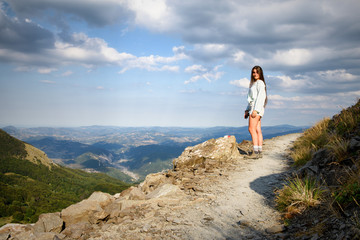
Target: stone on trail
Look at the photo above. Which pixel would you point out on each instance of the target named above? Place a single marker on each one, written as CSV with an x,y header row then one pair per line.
x,y
275,229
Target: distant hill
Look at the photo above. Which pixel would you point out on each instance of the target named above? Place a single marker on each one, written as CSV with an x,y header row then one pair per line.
x,y
31,184
120,151
64,149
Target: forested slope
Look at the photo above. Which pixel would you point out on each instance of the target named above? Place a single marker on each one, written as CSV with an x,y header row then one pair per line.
x,y
29,188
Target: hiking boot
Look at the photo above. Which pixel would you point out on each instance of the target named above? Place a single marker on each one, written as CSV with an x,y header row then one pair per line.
x,y
253,155
260,155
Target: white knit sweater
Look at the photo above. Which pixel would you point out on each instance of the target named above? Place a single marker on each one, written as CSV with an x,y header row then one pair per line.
x,y
256,97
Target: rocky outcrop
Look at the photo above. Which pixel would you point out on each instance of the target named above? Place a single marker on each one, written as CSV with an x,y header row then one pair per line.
x,y
208,155
146,211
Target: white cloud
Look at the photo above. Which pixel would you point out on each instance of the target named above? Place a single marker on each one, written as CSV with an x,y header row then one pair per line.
x,y
46,70
201,72
330,81
293,57
153,14
48,81
195,69
90,53
210,52
287,83
97,13
244,83
239,56
339,75
312,102
67,73
287,37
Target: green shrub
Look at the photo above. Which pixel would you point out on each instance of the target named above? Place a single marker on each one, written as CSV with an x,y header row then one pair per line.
x,y
349,193
18,217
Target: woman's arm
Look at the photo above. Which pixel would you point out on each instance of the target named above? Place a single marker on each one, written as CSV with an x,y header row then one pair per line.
x,y
261,96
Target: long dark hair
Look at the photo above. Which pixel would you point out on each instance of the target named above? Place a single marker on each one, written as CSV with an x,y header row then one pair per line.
x,y
261,75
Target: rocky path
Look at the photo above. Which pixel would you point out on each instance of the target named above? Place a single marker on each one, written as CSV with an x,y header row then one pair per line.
x,y
234,201
241,202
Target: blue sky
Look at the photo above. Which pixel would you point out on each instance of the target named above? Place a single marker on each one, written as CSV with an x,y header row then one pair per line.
x,y
175,63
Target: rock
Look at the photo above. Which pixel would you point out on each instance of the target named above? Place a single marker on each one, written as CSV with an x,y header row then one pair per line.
x,y
136,194
49,222
45,236
113,209
208,218
244,223
117,195
152,181
124,204
275,229
146,228
102,198
315,237
354,143
209,154
340,236
88,210
4,236
75,231
319,160
245,147
320,157
17,231
166,191
161,204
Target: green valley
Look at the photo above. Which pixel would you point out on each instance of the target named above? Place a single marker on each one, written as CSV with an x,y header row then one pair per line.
x,y
29,188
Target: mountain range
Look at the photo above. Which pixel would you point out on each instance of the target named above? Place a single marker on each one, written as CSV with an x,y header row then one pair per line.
x,y
127,153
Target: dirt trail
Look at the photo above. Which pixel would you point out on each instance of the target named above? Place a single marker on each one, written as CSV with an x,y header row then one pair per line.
x,y
231,201
241,205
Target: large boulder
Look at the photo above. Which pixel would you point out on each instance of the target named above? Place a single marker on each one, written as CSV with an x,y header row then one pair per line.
x,y
49,222
210,154
88,210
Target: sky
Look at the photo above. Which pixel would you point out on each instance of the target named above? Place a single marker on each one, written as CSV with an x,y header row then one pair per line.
x,y
67,63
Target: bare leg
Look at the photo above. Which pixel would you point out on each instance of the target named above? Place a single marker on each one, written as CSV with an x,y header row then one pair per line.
x,y
254,124
259,133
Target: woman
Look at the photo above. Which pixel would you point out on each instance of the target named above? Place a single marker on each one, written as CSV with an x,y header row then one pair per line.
x,y
257,99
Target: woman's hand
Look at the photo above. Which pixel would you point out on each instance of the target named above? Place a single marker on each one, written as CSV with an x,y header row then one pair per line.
x,y
254,114
246,114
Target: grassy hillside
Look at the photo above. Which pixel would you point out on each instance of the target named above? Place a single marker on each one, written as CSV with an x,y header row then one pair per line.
x,y
28,189
328,175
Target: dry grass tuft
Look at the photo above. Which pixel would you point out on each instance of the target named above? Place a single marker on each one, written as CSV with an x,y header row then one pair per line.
x,y
338,147
313,139
298,195
347,120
